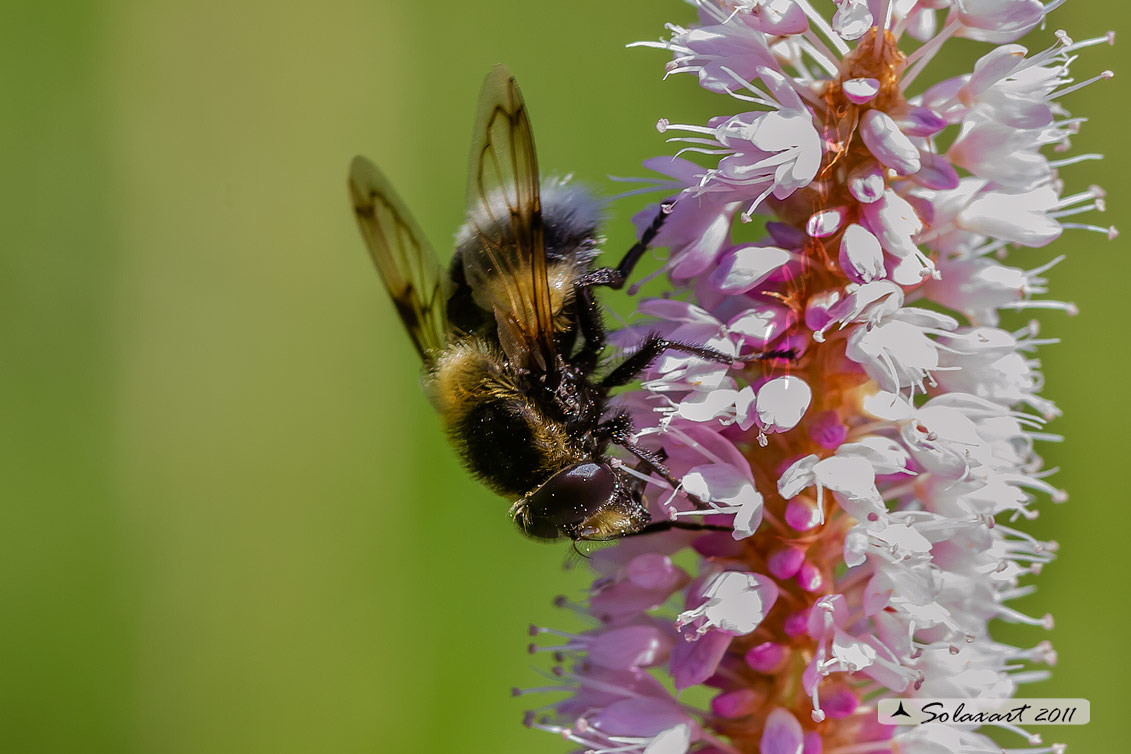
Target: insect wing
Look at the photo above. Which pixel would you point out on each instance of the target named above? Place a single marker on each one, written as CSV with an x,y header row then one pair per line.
x,y
506,269
408,265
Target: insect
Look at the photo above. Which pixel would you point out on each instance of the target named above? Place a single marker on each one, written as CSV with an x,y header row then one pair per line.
x,y
511,335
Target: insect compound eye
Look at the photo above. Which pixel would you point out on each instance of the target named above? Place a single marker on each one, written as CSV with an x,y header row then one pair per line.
x,y
567,500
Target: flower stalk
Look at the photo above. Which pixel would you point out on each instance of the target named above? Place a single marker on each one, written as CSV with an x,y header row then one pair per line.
x,y
873,459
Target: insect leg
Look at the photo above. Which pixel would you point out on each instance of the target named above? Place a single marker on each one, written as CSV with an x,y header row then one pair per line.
x,y
647,458
659,526
591,325
588,312
619,429
616,277
632,256
789,354
650,350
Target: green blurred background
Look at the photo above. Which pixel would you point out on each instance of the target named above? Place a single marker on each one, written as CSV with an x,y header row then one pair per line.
x,y
231,522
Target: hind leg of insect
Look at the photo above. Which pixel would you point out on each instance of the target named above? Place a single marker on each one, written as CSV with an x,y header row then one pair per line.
x,y
650,350
658,526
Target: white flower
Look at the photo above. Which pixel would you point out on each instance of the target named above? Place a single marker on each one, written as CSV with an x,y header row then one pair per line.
x,y
861,255
730,490
766,153
888,144
734,602
744,268
674,740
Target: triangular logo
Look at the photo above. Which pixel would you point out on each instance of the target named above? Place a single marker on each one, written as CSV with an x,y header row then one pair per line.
x,y
901,712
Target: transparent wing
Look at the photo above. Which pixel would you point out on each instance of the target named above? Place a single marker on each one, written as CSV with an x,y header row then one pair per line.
x,y
408,265
506,266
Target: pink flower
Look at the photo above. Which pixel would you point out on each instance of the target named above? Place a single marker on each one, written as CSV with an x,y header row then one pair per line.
x,y
864,469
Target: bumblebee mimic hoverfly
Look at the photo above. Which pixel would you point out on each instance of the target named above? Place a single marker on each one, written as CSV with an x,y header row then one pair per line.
x,y
511,334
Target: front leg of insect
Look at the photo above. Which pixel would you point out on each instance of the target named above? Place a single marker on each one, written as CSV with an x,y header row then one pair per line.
x,y
619,431
590,323
616,277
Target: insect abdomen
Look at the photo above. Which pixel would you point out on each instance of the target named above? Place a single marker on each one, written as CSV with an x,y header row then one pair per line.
x,y
498,431
499,440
